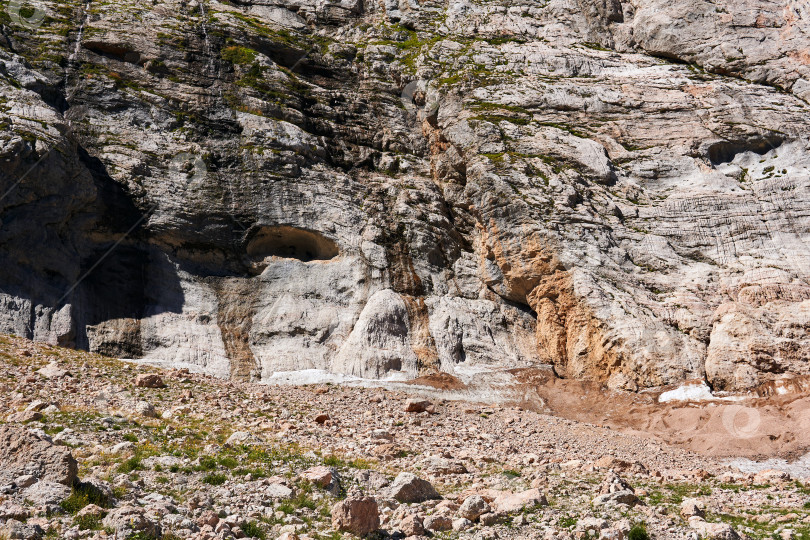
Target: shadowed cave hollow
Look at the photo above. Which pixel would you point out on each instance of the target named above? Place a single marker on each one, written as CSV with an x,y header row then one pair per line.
x,y
291,243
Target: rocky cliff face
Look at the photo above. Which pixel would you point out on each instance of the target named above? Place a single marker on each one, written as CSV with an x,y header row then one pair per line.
x,y
387,187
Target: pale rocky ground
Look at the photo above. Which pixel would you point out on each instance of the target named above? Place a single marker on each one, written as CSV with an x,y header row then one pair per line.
x,y
209,458
393,188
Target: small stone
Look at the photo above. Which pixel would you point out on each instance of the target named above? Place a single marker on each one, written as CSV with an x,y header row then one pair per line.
x,y
320,476
237,438
208,517
490,519
25,416
91,510
510,503
53,371
473,507
25,480
122,448
149,380
356,514
462,524
144,408
411,525
438,523
618,497
692,507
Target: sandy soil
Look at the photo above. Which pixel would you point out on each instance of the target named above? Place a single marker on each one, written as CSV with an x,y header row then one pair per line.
x,y
771,422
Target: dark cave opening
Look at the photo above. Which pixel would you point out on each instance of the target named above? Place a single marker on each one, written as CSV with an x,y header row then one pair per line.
x,y
291,243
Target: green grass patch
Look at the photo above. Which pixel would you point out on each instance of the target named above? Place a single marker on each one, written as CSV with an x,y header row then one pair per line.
x,y
214,479
228,462
81,495
88,523
238,55
130,465
253,529
638,532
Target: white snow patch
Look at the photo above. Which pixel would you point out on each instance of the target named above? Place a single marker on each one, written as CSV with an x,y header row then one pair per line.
x,y
687,392
797,469
318,376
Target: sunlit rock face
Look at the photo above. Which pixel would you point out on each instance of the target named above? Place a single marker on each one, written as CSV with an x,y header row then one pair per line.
x,y
389,188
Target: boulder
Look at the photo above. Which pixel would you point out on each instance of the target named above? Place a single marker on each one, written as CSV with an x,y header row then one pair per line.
x,y
128,521
412,525
24,453
713,531
23,417
9,510
45,493
408,488
356,514
691,508
15,530
771,476
617,497
144,408
91,510
149,380
238,438
516,502
278,491
438,523
418,406
613,483
473,507
320,476
53,371
462,524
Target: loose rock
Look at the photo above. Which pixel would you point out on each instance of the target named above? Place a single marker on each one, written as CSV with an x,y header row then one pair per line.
x,y
356,514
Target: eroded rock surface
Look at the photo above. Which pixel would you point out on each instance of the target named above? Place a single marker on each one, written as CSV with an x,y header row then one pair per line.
x,y
23,453
619,189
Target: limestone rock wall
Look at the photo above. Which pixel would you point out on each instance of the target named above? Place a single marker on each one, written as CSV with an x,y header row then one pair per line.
x,y
388,188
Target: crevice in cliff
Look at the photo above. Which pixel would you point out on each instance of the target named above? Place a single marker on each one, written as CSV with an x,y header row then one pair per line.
x,y
725,151
235,311
407,283
113,51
